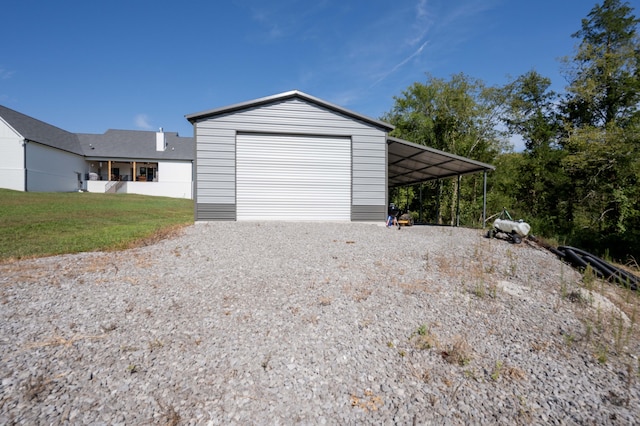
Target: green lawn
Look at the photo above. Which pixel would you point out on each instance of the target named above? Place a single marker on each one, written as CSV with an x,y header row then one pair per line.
x,y
35,224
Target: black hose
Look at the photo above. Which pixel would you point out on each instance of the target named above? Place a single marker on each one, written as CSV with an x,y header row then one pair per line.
x,y
602,269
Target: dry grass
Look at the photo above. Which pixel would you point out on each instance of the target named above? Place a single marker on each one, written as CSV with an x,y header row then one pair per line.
x,y
458,352
61,341
368,402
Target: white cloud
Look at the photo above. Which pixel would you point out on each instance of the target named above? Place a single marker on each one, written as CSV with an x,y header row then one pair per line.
x,y
400,64
142,122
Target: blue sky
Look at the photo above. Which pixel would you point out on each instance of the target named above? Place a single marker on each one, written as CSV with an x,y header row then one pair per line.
x,y
87,66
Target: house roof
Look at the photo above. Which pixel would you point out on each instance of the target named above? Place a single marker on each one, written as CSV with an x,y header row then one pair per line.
x,y
410,163
38,131
284,96
113,144
134,145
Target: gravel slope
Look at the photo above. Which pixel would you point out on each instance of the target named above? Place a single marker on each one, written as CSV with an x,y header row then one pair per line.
x,y
331,323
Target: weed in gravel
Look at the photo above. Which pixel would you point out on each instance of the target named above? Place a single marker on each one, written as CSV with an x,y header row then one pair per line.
x,y
539,346
265,362
515,373
471,374
601,354
497,370
589,278
360,294
482,290
425,258
458,352
525,412
155,344
576,296
423,338
444,265
172,418
325,301
35,387
61,341
513,265
569,339
368,402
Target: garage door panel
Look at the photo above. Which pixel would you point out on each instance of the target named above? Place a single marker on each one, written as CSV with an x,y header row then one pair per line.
x,y
286,177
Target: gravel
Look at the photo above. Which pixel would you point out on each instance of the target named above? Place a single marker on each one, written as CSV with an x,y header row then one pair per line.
x,y
312,323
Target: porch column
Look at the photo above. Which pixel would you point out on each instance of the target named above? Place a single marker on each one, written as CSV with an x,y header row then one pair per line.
x,y
109,175
134,171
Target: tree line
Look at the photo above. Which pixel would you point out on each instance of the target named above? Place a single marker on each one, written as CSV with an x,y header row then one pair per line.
x,y
577,181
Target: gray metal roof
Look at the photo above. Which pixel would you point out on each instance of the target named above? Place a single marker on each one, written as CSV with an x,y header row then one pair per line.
x,y
38,131
283,96
129,145
410,163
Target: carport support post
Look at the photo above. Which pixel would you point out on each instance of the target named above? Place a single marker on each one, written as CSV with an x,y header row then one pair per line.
x,y
458,203
420,216
484,199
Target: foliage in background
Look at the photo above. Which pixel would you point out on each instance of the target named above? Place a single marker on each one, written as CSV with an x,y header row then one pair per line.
x,y
578,178
36,224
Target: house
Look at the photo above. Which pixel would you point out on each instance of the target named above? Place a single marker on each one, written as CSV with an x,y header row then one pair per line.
x,y
292,156
38,157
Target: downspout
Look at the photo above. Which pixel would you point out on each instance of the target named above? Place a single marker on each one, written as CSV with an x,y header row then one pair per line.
x,y
24,160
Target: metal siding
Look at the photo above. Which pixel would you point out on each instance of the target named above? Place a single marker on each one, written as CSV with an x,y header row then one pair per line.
x,y
215,212
215,137
368,213
369,173
286,177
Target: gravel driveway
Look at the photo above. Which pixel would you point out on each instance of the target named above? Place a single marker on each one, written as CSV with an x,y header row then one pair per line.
x,y
311,323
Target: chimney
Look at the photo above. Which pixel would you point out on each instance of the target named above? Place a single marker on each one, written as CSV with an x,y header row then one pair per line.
x,y
161,142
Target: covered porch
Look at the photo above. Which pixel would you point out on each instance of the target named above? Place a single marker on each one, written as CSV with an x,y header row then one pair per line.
x,y
119,170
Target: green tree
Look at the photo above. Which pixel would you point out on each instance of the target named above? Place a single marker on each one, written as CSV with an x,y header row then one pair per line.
x,y
604,73
601,131
530,111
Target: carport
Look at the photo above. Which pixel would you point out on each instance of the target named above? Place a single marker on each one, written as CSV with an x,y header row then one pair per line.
x,y
410,163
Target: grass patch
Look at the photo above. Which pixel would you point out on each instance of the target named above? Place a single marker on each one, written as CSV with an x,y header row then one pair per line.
x,y
37,224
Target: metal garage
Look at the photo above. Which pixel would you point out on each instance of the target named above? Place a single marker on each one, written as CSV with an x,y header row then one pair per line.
x,y
292,156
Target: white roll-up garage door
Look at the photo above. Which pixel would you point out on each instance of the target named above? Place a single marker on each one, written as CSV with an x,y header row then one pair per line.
x,y
291,177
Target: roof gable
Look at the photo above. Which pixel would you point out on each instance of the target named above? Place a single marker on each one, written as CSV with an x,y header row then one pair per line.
x,y
38,131
285,96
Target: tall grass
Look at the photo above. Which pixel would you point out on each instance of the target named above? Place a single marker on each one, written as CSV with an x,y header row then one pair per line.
x,y
36,224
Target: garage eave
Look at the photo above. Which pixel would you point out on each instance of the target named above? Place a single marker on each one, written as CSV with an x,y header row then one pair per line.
x,y
283,96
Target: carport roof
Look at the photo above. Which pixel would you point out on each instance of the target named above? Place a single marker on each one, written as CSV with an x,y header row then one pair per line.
x,y
410,163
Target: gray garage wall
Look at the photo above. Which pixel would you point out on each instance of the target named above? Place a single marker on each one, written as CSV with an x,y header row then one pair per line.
x,y
216,163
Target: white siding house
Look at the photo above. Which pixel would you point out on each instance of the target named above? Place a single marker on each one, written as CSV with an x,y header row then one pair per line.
x,y
11,157
53,170
36,156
